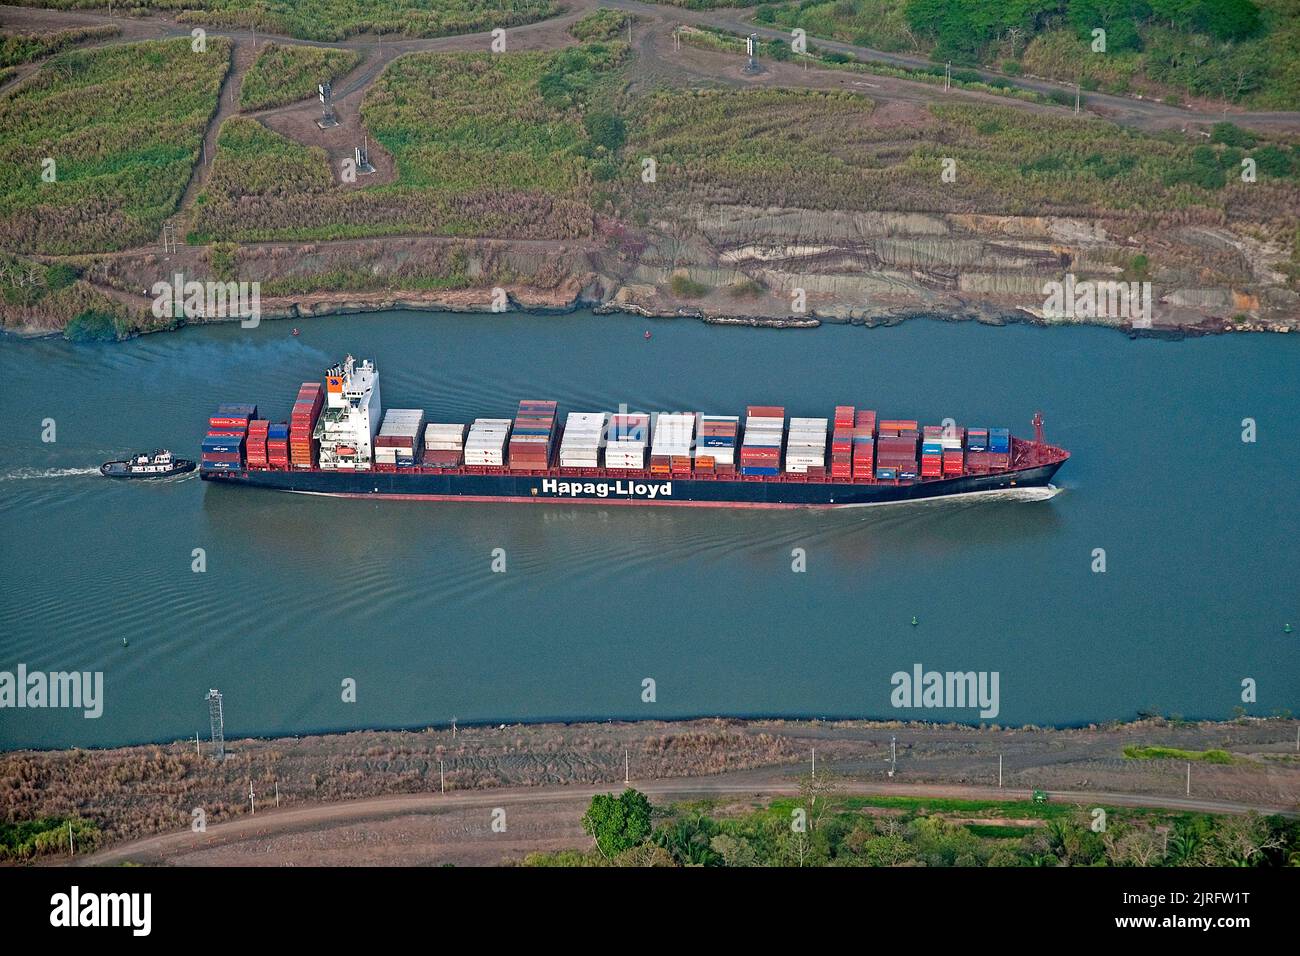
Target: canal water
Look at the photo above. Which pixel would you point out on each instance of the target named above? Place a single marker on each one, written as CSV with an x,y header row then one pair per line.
x,y
301,594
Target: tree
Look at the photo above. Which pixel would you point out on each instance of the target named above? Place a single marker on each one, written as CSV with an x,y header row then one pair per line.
x,y
1243,840
735,851
815,793
618,823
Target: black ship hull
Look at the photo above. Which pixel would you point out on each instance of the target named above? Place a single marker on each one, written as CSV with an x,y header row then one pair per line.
x,y
609,488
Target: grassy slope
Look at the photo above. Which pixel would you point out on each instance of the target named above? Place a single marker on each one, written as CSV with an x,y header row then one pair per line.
x,y
26,47
123,125
340,19
285,74
484,145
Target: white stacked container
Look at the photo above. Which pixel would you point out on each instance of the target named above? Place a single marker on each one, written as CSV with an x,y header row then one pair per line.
x,y
399,436
486,442
674,434
805,446
584,437
444,436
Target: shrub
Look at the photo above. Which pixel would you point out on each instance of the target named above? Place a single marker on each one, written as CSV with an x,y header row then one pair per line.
x,y
92,326
687,288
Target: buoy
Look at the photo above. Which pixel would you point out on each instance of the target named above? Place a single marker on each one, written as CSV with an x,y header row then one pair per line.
x,y
647,335
915,621
295,331
124,644
1288,629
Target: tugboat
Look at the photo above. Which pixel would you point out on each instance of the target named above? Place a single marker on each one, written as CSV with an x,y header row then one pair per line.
x,y
159,464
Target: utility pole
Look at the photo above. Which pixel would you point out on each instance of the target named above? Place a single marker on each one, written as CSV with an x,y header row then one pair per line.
x,y
277,794
893,754
627,768
629,31
1189,778
999,771
814,769
453,728
71,849
1077,96
252,804
196,744
947,76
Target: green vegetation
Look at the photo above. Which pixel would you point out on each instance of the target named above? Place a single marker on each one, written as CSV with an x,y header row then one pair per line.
x,y
602,24
822,150
26,47
1244,51
1172,753
762,147
287,73
45,837
819,828
93,325
687,288
339,19
483,144
122,126
727,42
618,823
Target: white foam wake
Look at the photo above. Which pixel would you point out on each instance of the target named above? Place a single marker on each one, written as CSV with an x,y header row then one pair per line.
x,y
23,474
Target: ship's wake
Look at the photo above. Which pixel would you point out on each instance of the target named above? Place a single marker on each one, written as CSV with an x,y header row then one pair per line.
x,y
1039,493
26,474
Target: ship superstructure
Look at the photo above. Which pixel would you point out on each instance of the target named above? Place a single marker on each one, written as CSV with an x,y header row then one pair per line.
x,y
351,417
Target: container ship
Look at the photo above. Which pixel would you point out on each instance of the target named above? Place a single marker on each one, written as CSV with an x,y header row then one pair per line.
x,y
339,441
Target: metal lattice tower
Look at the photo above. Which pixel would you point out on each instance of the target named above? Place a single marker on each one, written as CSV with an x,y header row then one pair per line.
x,y
218,721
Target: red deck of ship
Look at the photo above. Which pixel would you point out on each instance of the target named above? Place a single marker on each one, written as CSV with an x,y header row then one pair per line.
x,y
1024,454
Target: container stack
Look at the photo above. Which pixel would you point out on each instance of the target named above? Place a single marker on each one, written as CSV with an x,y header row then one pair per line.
x,y
764,431
533,436
398,441
715,444
255,446
303,447
486,443
444,445
1000,447
805,447
896,451
953,462
932,451
977,450
223,446
842,443
584,437
629,435
864,444
670,450
277,446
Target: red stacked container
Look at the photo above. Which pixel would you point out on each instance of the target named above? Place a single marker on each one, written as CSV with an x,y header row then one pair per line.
x,y
765,411
864,444
302,422
255,448
533,436
952,462
842,442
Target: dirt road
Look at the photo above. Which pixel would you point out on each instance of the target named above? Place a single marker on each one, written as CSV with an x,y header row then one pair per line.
x,y
457,827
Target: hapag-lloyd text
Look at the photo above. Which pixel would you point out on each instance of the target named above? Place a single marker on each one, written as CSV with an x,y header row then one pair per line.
x,y
605,489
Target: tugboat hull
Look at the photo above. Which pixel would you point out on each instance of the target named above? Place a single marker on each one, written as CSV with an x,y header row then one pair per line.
x,y
123,469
